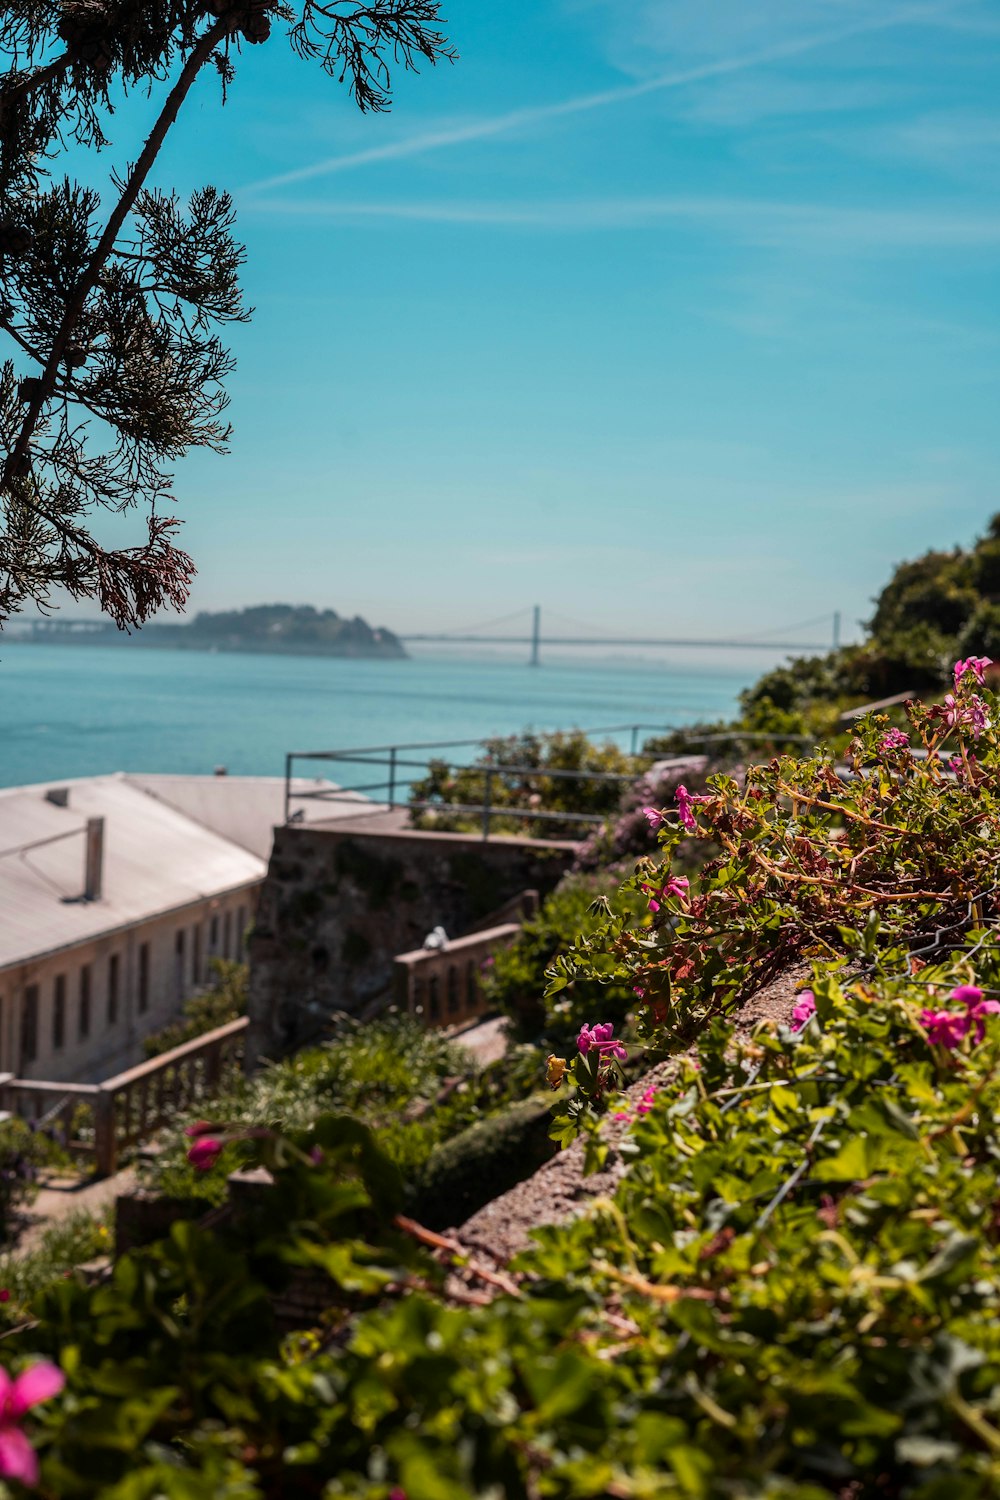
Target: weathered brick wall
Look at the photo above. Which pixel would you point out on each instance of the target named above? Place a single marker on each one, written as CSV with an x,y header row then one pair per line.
x,y
336,908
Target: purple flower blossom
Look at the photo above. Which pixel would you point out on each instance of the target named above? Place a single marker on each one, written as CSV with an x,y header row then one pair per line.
x,y
979,719
978,1009
804,1007
653,818
894,739
205,1153
975,664
646,1102
600,1038
972,713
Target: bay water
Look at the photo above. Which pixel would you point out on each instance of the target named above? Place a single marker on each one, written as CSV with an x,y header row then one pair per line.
x,y
70,711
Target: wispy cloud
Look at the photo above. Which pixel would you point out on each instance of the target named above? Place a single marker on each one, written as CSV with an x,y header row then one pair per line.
x,y
522,119
766,222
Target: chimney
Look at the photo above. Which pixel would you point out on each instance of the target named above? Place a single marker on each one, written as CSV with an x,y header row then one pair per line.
x,y
94,864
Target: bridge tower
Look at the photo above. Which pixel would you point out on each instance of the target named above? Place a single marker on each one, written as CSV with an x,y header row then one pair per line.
x,y
536,635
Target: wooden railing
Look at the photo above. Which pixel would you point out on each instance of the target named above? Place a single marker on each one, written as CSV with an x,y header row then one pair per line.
x,y
440,986
130,1107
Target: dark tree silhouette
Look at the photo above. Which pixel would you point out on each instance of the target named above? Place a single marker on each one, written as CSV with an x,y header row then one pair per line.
x,y
114,301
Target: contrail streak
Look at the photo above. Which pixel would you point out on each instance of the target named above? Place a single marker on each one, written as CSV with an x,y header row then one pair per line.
x,y
518,119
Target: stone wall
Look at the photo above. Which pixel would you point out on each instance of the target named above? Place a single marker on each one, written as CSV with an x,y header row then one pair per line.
x,y
337,906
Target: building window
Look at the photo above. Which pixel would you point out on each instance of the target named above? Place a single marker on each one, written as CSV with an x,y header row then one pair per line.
x,y
241,931
213,936
227,934
114,983
143,976
59,1013
29,1024
196,974
85,976
179,965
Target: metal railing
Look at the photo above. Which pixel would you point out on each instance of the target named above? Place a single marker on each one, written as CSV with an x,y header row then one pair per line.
x,y
404,766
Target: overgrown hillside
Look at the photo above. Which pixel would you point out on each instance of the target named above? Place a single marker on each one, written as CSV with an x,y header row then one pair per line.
x,y
794,1292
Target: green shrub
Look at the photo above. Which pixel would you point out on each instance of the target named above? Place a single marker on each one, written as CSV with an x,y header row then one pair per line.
x,y
548,755
483,1161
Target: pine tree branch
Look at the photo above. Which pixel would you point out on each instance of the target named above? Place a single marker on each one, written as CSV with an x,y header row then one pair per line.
x,y
15,463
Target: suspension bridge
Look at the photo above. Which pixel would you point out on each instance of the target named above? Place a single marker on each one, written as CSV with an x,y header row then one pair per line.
x,y
534,638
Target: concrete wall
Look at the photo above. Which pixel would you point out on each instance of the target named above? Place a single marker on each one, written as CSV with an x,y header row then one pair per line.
x,y
109,1044
337,907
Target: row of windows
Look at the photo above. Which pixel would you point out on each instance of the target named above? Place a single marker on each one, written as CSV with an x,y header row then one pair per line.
x,y
84,989
84,1003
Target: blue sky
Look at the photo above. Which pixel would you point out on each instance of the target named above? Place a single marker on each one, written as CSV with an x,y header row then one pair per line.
x,y
675,314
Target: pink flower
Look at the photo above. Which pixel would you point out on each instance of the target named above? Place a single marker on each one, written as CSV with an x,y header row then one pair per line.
x,y
4,1295
978,1009
894,739
600,1038
653,818
205,1153
316,1156
677,885
945,1028
652,893
199,1127
637,989
958,769
975,664
972,713
646,1102
685,802
804,1007
37,1383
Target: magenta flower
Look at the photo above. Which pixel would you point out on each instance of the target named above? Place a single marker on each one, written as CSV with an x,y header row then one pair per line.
x,y
677,885
685,803
804,1007
205,1153
978,1009
945,1028
652,893
975,664
653,818
894,739
979,719
972,713
600,1038
646,1102
35,1384
637,989
199,1127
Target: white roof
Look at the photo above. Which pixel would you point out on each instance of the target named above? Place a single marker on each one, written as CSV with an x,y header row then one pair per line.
x,y
245,809
155,860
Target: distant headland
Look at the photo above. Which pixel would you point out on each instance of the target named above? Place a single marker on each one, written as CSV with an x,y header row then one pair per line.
x,y
275,629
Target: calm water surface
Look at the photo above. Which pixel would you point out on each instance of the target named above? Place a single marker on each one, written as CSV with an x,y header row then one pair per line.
x,y
81,710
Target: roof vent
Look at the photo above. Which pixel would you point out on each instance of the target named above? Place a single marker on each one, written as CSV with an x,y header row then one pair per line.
x,y
58,796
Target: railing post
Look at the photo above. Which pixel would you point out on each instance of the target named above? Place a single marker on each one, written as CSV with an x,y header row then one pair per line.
x,y
288,786
392,778
635,738
105,1144
487,798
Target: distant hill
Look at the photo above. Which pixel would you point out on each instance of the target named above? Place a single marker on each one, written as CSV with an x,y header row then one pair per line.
x,y
291,629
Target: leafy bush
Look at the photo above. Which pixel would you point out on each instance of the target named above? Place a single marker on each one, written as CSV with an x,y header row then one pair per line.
x,y
483,1161
23,1150
527,771
224,1000
909,845
515,981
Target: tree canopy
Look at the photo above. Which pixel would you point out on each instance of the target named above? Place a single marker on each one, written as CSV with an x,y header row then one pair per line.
x,y
113,302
